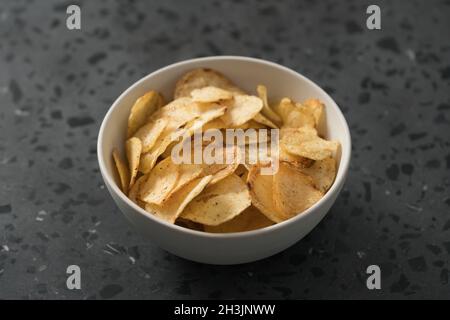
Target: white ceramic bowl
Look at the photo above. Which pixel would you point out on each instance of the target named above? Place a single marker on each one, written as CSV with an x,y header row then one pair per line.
x,y
232,248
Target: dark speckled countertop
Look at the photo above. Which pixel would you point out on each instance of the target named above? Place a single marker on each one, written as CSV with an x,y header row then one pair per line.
x,y
393,86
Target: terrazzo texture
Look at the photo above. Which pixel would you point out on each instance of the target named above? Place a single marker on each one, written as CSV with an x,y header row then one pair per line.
x,y
56,85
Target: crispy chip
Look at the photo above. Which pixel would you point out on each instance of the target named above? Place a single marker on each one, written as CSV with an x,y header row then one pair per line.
x,y
210,94
284,108
260,119
149,159
294,191
266,110
181,111
219,203
142,109
298,161
161,180
299,117
122,169
241,109
222,170
306,143
294,115
186,173
322,172
250,219
172,207
199,78
215,124
261,191
133,148
150,132
135,189
316,108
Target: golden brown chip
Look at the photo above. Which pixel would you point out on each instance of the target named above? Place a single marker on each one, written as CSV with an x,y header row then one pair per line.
x,y
316,108
266,110
181,111
222,169
284,108
210,94
261,191
133,148
294,115
161,180
142,109
135,189
299,117
322,172
215,124
306,143
150,132
250,219
219,202
149,159
122,170
241,109
298,161
186,173
199,78
260,119
294,191
172,207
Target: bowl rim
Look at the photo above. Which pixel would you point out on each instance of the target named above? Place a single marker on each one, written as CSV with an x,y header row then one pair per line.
x,y
338,182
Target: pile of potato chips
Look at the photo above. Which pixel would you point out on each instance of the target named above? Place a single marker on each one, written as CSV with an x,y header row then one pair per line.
x,y
231,197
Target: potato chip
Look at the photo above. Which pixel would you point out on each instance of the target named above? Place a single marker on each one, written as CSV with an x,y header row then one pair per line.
x,y
135,189
299,117
260,119
294,191
186,173
142,109
149,159
316,108
181,111
150,132
250,219
241,109
210,94
221,171
306,143
122,170
215,124
219,202
133,148
172,207
266,110
284,108
261,192
199,78
298,161
322,172
161,180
